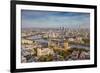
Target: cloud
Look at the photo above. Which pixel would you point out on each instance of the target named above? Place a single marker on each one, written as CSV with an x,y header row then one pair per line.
x,y
31,18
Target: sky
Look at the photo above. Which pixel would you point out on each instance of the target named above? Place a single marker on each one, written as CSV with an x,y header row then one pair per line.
x,y
53,19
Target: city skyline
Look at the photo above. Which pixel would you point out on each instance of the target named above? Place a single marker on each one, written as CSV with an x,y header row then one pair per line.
x,y
52,19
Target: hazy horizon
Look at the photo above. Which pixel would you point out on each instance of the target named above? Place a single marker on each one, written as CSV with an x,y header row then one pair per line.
x,y
53,19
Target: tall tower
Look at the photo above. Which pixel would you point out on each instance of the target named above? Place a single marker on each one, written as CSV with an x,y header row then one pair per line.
x,y
39,52
65,44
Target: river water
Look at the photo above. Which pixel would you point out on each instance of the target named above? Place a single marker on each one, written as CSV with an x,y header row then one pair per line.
x,y
41,40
